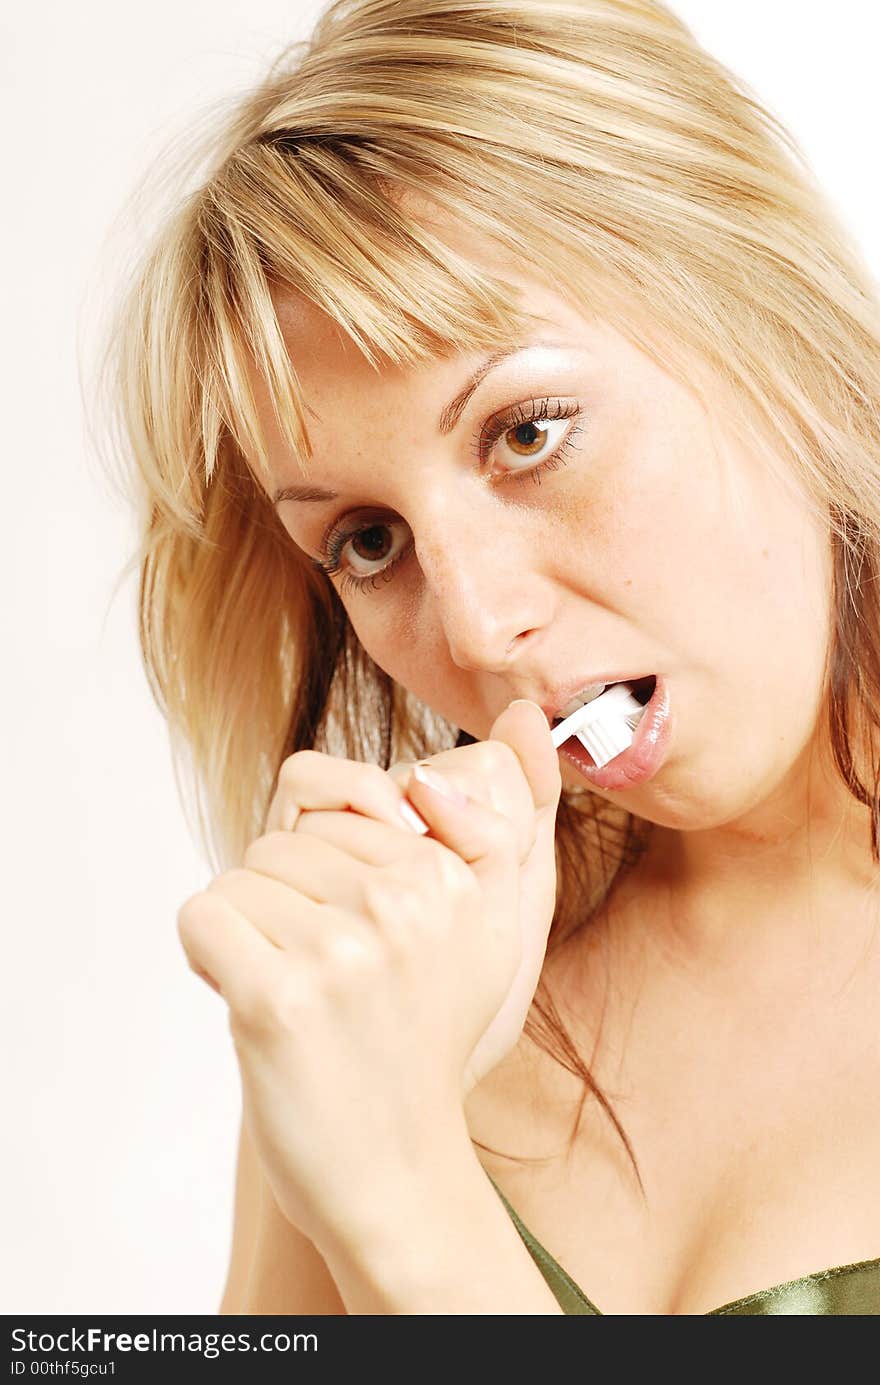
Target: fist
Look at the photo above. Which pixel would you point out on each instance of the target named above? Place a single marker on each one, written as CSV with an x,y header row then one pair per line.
x,y
375,970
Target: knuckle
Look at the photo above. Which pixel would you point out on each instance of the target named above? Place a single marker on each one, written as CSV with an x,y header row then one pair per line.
x,y
390,894
375,774
255,852
228,881
381,788
414,856
267,848
401,917
346,955
368,781
501,758
419,872
295,765
500,832
451,874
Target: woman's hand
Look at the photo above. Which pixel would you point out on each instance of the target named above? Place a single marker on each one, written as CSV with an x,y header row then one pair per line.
x,y
534,817
374,974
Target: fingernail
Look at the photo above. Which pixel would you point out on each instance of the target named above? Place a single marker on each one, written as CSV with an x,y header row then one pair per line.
x,y
412,818
439,784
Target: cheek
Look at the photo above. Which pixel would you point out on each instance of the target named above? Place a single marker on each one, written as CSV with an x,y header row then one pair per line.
x,y
394,639
795,614
416,656
375,635
634,548
636,522
700,550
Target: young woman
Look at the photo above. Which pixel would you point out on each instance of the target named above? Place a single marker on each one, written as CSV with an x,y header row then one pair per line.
x,y
497,353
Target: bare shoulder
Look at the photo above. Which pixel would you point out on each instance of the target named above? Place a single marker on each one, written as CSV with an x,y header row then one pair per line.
x,y
273,1268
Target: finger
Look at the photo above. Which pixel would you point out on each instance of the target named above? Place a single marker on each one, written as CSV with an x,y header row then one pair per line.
x,y
524,727
484,839
470,776
364,839
223,948
480,776
283,914
489,776
401,773
329,855
311,780
487,773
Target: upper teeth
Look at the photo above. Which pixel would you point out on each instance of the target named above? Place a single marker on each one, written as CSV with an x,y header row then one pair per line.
x,y
582,698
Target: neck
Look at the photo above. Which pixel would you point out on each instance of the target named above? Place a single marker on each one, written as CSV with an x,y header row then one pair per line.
x,y
783,890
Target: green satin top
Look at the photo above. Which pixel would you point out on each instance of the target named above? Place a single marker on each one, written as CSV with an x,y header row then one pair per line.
x,y
843,1290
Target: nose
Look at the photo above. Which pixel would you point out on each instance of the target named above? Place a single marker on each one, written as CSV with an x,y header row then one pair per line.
x,y
491,595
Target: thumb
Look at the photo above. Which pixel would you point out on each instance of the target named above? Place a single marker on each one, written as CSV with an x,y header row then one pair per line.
x,y
524,727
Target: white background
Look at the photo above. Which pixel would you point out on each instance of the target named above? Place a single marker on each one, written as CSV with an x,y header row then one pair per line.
x,y
121,1088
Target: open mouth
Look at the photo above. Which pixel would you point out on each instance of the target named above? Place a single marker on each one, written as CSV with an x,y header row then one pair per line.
x,y
642,690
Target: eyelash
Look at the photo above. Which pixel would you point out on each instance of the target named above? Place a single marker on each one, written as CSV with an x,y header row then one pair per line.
x,y
533,412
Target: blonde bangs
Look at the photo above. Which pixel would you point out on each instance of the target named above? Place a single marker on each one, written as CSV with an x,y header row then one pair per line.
x,y
398,292
594,146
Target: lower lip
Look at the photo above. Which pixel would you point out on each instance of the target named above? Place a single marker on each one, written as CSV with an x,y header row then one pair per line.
x,y
641,761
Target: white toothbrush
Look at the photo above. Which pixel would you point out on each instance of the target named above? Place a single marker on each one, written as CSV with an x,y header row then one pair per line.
x,y
606,726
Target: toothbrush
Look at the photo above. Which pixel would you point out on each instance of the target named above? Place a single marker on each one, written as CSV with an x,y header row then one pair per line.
x,y
605,727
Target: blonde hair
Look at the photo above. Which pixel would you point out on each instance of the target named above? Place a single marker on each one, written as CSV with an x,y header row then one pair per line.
x,y
599,146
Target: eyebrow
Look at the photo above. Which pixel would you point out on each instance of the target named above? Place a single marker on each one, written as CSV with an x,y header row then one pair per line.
x,y
448,419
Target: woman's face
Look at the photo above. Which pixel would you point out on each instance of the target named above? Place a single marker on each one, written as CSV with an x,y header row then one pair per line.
x,y
622,532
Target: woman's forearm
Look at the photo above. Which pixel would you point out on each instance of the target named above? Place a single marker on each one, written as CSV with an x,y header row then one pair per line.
x,y
442,1244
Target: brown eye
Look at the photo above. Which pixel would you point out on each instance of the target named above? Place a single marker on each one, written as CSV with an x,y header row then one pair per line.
x,y
375,548
527,439
536,433
544,447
